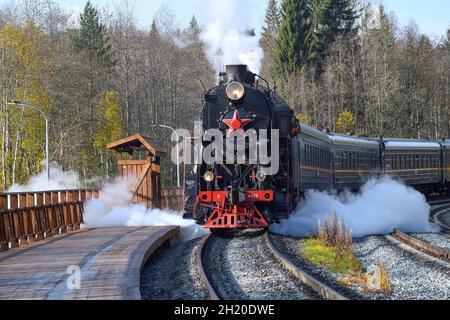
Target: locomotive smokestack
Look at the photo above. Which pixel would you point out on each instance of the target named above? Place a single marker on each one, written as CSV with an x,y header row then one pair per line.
x,y
240,73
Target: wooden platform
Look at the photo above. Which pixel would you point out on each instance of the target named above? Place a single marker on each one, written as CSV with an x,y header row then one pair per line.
x,y
109,261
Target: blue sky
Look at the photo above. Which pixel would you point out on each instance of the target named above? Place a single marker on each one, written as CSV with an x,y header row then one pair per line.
x,y
432,16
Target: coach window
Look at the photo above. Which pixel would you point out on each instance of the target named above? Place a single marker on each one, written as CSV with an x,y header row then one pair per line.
x,y
347,160
315,156
308,154
314,160
322,157
344,160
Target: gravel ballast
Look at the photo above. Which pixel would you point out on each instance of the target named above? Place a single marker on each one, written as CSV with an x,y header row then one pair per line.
x,y
413,276
435,239
241,267
173,275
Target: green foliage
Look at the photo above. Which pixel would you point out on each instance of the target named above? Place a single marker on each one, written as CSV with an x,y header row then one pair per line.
x,y
93,38
291,52
271,22
269,38
318,252
330,19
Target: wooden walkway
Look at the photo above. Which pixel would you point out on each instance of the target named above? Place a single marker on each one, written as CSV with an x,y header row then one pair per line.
x,y
107,262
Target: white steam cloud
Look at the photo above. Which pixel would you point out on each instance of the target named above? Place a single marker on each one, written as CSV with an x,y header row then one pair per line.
x,y
382,206
113,209
226,35
59,180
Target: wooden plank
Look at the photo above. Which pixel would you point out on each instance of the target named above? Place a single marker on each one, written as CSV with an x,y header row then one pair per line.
x,y
133,162
110,260
140,178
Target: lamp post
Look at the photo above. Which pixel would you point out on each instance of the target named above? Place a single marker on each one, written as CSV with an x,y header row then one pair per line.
x,y
38,109
177,150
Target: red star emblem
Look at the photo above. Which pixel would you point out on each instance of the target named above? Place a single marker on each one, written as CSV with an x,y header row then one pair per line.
x,y
235,123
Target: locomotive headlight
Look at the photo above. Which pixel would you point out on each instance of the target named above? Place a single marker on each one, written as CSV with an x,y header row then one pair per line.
x,y
235,91
208,176
261,176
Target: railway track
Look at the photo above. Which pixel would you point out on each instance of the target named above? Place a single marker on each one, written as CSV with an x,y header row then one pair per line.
x,y
439,209
440,215
423,246
248,266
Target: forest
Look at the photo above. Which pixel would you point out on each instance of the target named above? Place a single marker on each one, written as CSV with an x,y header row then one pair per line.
x,y
344,65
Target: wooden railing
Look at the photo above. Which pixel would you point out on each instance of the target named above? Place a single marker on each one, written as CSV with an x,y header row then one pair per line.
x,y
31,216
172,198
27,217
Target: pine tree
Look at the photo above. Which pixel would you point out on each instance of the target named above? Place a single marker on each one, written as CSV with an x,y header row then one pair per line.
x,y
194,28
154,33
341,17
319,37
93,44
330,19
291,53
93,38
269,38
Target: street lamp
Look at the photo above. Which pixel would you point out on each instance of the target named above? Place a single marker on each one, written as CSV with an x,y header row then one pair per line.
x,y
38,109
177,147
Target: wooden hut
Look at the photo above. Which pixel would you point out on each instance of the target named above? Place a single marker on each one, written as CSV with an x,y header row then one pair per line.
x,y
139,160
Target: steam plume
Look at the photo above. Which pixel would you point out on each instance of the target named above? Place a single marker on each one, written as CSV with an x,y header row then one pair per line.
x,y
226,35
113,210
59,180
382,206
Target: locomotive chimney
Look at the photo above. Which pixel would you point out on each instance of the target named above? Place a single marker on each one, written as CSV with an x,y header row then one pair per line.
x,y
240,73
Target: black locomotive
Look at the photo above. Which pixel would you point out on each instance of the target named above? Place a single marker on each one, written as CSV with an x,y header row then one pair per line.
x,y
243,195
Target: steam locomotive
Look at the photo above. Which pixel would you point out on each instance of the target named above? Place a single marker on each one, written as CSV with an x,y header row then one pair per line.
x,y
244,195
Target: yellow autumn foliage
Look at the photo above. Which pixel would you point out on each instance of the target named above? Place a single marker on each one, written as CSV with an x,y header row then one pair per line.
x,y
109,125
345,123
21,64
303,118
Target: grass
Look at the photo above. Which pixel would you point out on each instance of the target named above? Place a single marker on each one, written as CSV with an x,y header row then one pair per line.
x,y
333,248
319,252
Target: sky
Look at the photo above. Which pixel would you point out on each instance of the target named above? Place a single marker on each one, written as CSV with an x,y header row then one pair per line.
x,y
431,16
